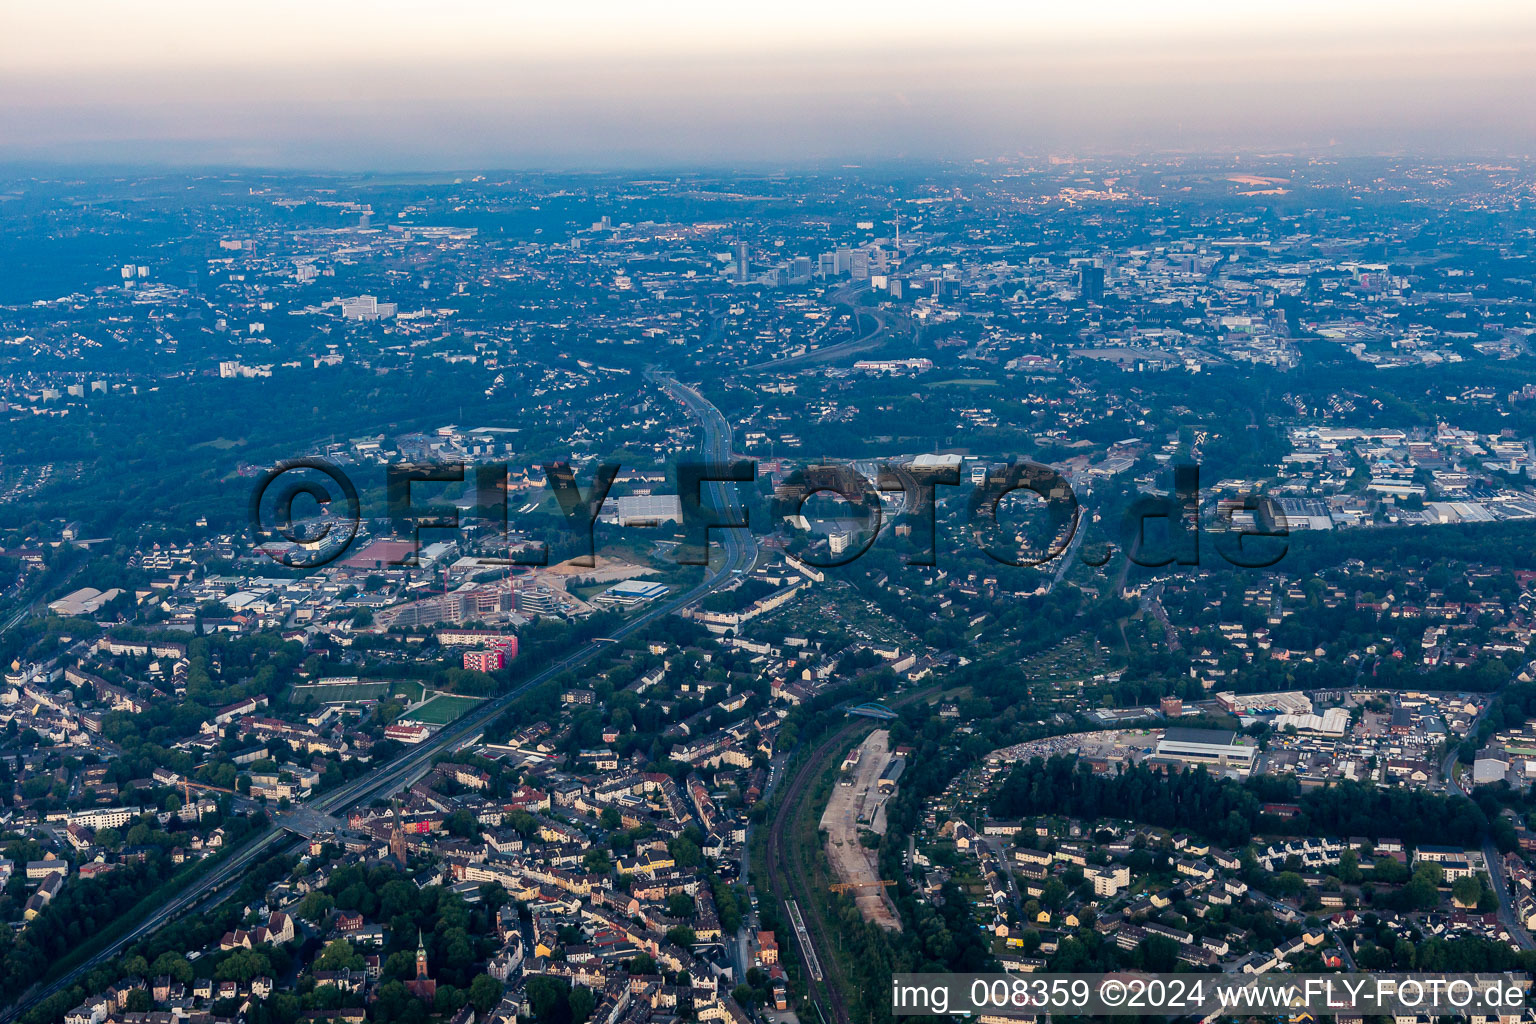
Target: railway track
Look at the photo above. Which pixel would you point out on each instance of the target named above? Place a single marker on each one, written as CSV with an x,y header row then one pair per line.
x,y
788,874
787,879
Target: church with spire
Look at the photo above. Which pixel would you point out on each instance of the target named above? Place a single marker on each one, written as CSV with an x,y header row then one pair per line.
x,y
397,848
422,986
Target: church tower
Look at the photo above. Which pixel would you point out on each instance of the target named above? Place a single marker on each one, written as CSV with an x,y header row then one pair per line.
x,y
397,847
421,986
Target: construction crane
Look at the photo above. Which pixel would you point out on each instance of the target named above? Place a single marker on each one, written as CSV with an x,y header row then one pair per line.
x,y
188,786
846,886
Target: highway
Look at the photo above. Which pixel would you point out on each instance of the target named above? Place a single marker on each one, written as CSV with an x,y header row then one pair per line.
x,y
740,554
874,339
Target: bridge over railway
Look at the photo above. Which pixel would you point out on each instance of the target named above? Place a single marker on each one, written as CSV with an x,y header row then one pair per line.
x,y
872,710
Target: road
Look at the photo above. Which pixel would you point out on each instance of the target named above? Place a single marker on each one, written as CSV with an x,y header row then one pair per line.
x,y
1491,856
1064,564
1344,953
1506,903
740,554
740,546
742,945
1152,602
873,339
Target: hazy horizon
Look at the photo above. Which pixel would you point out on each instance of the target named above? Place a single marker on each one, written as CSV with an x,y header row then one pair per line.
x,y
598,85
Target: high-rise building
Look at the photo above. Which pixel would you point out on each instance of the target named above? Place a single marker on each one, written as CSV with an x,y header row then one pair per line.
x,y
485,661
366,307
537,600
741,261
1090,279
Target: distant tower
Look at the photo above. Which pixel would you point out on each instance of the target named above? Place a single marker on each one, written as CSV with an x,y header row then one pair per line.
x,y
397,848
1090,280
741,261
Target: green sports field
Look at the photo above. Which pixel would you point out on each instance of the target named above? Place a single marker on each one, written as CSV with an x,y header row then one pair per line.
x,y
337,692
442,709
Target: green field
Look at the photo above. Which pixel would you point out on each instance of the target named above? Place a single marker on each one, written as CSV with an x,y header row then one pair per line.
x,y
442,709
336,692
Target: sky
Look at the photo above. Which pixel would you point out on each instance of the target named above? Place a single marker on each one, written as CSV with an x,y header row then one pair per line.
x,y
462,84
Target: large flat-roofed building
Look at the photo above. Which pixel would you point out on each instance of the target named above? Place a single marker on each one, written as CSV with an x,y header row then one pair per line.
x,y
648,509
1219,747
631,592
1333,722
1288,702
85,601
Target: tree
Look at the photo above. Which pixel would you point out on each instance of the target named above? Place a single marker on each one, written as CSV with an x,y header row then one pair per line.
x,y
1288,883
448,1000
1159,953
1421,893
173,964
582,1002
1466,890
680,904
550,999
398,897
685,852
391,1001
327,996
400,965
484,993
1349,868
315,906
244,964
338,955
681,935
